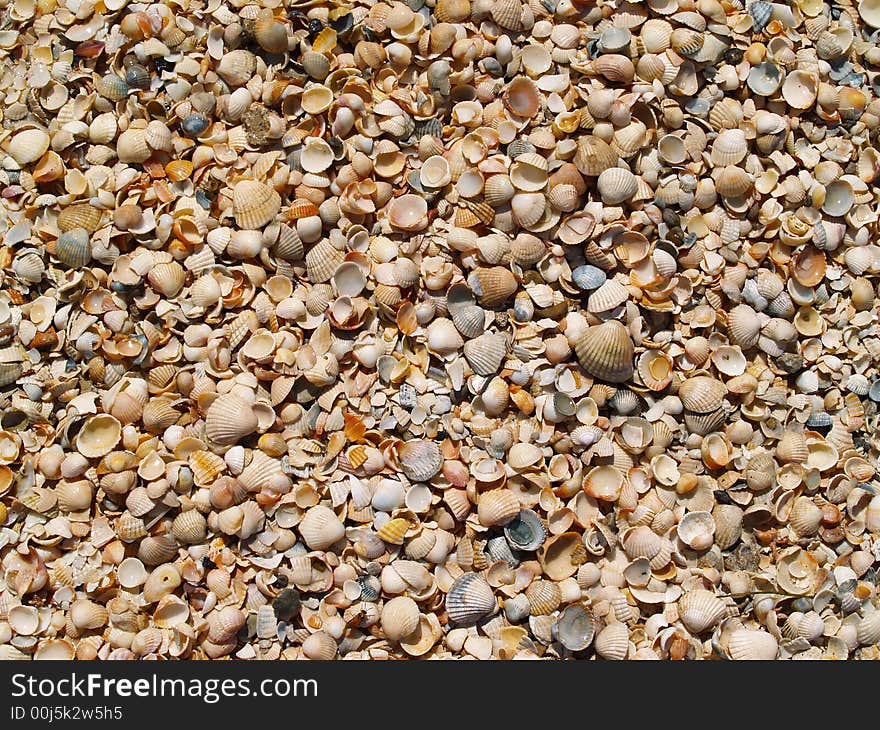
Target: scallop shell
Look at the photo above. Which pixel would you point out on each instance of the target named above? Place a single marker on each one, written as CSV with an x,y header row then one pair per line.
x,y
606,351
469,599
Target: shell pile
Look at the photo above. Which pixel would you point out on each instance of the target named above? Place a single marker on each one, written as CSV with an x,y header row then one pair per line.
x,y
455,328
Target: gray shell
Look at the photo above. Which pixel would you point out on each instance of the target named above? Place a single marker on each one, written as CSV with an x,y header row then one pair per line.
x,y
526,531
575,628
470,598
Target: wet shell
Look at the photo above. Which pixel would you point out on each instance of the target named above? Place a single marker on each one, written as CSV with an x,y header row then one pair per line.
x,y
254,204
606,351
420,460
469,599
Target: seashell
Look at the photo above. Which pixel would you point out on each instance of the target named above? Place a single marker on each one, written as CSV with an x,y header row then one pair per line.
x,y
28,146
98,436
751,645
74,496
254,204
486,353
87,615
321,528
189,527
700,610
615,185
702,394
157,550
400,618
521,96
612,642
525,531
507,14
73,248
800,89
469,599
492,286
420,460
229,420
408,213
729,148
805,517
764,79
237,67
728,525
606,351
575,628
167,278
655,369
270,34
497,507
697,530
607,297
544,597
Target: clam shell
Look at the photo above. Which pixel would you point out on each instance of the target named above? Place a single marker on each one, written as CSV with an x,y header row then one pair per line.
x,y
615,185
400,617
98,436
606,352
526,531
469,599
497,507
752,645
575,628
612,642
702,394
73,248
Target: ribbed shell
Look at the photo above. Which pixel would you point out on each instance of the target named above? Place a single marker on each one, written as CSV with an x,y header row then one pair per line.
x,y
73,248
486,353
157,550
492,286
469,599
700,610
254,204
190,527
612,642
320,528
400,617
322,261
752,645
609,295
594,156
470,320
262,469
229,420
544,597
606,352
743,326
702,394
420,460
497,507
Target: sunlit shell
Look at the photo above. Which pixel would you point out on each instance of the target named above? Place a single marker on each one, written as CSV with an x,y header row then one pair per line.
x,y
486,353
655,369
752,645
420,460
616,185
229,419
612,642
469,599
408,213
320,528
700,610
98,436
400,617
28,146
522,96
606,351
497,507
254,204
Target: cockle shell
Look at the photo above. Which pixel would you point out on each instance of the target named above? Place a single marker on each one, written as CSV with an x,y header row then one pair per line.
x,y
320,528
700,610
229,419
420,460
606,351
612,642
254,204
469,599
